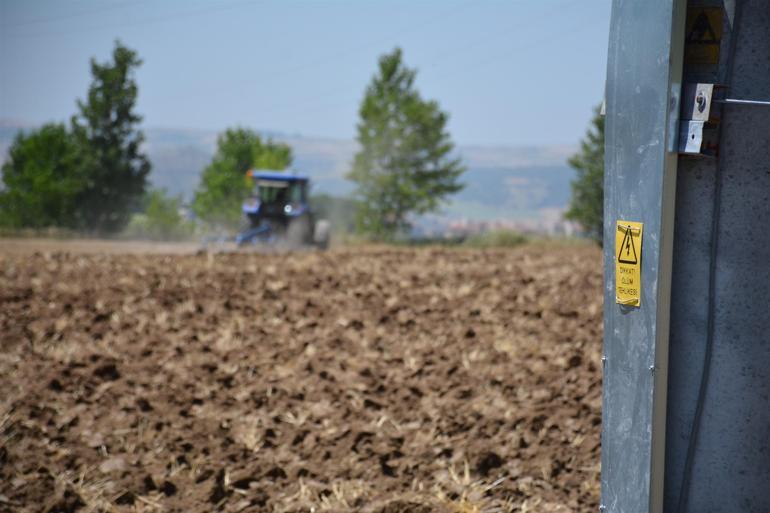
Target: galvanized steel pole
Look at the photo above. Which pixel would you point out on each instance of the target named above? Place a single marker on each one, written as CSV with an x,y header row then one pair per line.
x,y
642,102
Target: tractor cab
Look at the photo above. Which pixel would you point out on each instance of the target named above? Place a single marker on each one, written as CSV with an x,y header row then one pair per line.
x,y
276,197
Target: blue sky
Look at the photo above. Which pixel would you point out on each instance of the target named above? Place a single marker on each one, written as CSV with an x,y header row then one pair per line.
x,y
524,72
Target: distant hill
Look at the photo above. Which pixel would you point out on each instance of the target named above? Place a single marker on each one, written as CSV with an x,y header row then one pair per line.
x,y
506,184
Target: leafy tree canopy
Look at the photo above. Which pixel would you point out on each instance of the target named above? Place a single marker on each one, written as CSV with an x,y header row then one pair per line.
x,y
587,203
224,185
405,165
42,179
89,177
115,169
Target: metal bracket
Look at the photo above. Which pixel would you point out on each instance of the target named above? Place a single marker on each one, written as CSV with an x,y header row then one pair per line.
x,y
697,102
691,136
700,116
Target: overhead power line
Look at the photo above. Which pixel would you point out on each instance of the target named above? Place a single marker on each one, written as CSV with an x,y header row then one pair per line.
x,y
308,104
54,19
173,16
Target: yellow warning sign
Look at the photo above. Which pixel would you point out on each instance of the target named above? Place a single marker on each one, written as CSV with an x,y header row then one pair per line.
x,y
628,263
703,35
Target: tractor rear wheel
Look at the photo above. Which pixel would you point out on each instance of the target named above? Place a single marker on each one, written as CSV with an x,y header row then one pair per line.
x,y
298,232
322,233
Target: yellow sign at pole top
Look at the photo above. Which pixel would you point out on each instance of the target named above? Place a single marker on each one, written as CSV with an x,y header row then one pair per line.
x,y
703,35
628,263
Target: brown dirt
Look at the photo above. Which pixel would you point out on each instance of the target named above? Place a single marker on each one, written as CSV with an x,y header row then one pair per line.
x,y
368,379
26,246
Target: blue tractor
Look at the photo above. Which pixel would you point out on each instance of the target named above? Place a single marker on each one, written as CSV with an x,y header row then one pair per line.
x,y
278,211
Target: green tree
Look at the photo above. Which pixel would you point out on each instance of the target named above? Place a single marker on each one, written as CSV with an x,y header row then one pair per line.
x,y
224,185
161,219
42,179
587,203
405,165
115,169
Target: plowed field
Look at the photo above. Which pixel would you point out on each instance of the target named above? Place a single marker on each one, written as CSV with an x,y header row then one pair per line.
x,y
363,379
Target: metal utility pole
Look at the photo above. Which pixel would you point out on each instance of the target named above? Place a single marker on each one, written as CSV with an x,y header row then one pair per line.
x,y
686,407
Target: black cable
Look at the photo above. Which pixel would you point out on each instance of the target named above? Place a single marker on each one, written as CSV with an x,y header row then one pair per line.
x,y
684,491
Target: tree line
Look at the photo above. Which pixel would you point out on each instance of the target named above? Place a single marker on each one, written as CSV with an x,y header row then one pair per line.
x,y
91,174
88,174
